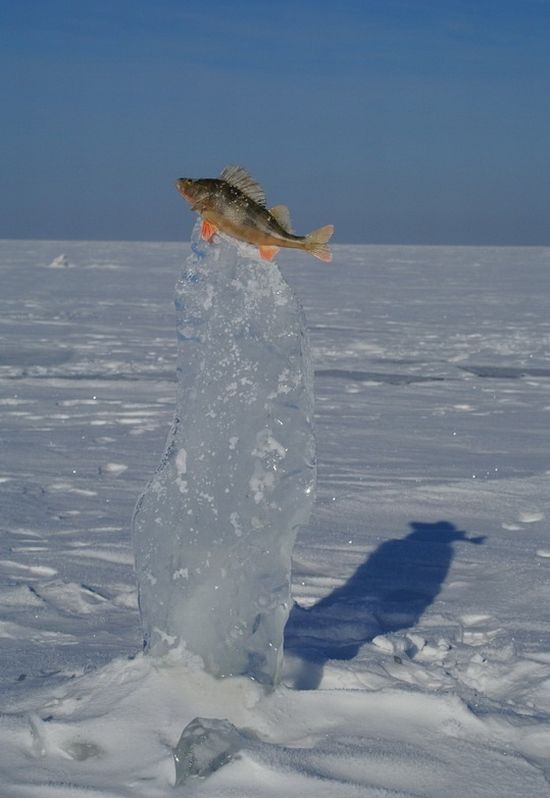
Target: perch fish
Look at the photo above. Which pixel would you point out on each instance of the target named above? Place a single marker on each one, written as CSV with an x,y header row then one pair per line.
x,y
235,204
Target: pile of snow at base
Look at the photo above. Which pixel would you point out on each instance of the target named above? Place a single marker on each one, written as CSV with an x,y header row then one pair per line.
x,y
112,732
215,528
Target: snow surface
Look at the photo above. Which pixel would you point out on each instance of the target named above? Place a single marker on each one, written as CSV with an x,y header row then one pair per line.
x,y
214,530
418,660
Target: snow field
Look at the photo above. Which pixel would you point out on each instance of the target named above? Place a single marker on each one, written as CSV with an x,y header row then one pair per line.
x,y
418,655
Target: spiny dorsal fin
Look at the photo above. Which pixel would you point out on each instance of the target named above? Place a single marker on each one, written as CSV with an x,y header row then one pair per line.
x,y
282,215
239,177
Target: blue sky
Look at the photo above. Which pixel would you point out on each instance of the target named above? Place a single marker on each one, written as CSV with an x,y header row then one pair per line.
x,y
399,121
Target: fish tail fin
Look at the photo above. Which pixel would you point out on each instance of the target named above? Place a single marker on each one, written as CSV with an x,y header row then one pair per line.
x,y
316,243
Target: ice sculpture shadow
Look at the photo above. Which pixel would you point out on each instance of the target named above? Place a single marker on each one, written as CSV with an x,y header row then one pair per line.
x,y
390,591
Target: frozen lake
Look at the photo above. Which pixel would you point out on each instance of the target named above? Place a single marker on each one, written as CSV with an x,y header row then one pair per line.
x,y
418,659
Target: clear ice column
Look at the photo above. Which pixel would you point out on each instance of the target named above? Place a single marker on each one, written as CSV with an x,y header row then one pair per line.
x,y
215,527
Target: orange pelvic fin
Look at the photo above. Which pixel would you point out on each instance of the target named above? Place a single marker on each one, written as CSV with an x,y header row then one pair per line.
x,y
207,230
268,253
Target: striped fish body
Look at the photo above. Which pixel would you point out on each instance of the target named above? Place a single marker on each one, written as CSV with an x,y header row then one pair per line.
x,y
235,204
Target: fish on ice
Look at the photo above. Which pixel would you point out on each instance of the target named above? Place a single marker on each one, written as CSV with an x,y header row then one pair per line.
x,y
235,204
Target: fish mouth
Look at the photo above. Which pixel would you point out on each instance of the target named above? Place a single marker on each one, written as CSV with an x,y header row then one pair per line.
x,y
182,185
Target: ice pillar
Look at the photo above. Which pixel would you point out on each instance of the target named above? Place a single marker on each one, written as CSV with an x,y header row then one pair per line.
x,y
215,527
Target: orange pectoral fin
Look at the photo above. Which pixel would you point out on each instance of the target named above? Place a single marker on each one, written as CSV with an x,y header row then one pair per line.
x,y
268,253
207,230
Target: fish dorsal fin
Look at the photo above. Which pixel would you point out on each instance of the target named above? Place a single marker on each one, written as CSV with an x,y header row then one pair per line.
x,y
281,214
239,178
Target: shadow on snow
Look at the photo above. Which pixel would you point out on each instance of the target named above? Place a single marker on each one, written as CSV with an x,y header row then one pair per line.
x,y
390,591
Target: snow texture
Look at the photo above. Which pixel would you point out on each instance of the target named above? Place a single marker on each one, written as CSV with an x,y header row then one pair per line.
x,y
417,655
215,528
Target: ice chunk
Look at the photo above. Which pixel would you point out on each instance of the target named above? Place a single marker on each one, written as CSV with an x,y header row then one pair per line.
x,y
215,527
205,746
61,262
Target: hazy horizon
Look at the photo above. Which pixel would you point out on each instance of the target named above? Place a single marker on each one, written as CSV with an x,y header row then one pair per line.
x,y
399,122
333,243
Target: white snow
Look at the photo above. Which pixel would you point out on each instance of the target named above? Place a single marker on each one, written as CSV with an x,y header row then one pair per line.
x,y
181,462
421,666
115,469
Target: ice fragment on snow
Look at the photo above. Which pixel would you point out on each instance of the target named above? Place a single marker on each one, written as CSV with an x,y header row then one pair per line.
x,y
61,262
205,746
